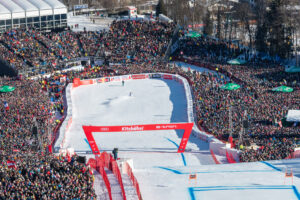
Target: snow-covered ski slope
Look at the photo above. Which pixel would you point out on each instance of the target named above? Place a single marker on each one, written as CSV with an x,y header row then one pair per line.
x,y
162,173
84,21
152,101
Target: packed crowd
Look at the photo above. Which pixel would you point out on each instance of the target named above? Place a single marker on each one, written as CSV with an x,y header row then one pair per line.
x,y
265,109
25,172
129,47
210,49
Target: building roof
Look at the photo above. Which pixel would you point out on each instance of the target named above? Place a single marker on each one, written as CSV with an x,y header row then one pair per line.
x,y
29,5
26,5
41,4
13,7
4,10
55,4
18,8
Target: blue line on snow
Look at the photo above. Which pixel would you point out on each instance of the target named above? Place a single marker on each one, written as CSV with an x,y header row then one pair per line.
x,y
172,170
296,192
192,190
87,143
211,172
182,156
270,165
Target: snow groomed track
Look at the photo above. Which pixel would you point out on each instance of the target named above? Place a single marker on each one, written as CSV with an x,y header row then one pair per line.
x,y
161,172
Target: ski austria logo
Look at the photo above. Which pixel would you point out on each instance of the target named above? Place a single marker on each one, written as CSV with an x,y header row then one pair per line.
x,y
133,128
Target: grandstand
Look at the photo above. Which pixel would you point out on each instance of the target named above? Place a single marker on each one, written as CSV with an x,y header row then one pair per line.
x,y
37,14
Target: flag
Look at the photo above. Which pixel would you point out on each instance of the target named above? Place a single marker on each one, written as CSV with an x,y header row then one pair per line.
x,y
68,157
6,105
280,124
11,164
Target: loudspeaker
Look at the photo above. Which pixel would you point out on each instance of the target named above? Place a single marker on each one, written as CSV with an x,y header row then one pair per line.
x,y
245,124
34,130
81,159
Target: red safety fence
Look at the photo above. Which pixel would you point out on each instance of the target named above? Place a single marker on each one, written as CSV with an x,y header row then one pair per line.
x,y
133,180
230,158
98,165
106,158
106,181
116,171
295,154
214,157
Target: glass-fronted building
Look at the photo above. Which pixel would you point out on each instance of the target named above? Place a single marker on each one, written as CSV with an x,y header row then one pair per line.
x,y
38,14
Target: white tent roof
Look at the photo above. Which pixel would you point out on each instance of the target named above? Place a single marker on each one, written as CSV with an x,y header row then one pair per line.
x,y
30,8
293,116
58,7
42,5
16,10
55,4
4,13
4,10
26,5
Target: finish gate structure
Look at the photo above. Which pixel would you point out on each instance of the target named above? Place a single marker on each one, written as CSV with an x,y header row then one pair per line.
x,y
89,130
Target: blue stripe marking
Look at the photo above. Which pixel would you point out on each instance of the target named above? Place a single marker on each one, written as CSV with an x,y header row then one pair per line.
x,y
87,143
172,170
182,156
270,165
192,190
211,172
296,192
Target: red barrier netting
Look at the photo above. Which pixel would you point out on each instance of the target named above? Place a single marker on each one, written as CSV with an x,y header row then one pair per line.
x,y
214,157
230,158
116,171
134,181
98,165
106,160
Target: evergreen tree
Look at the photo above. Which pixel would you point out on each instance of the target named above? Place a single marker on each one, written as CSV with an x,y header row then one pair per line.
x,y
219,23
208,27
261,38
279,36
160,8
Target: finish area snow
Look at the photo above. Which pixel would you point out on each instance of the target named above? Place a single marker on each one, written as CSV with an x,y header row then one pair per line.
x,y
152,101
161,172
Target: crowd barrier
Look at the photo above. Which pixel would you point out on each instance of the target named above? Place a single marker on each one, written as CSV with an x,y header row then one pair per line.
x,y
66,122
99,167
117,173
106,160
295,154
230,158
214,157
133,180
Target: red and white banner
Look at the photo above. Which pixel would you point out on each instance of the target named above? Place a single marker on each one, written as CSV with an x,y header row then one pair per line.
x,y
126,77
167,76
139,76
11,164
89,130
87,82
103,80
116,78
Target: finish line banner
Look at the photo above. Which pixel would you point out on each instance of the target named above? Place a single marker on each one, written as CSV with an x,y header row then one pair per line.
x,y
89,130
